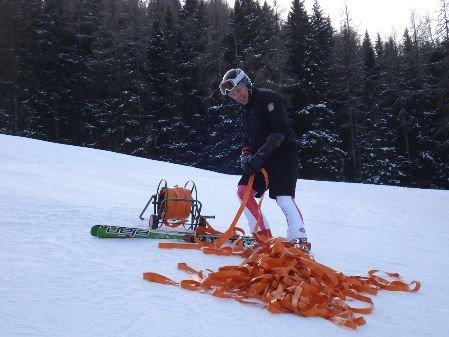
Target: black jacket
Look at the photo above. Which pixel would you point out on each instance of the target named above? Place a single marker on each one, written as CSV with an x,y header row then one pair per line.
x,y
264,114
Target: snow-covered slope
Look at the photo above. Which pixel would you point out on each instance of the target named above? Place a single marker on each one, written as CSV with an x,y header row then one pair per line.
x,y
57,280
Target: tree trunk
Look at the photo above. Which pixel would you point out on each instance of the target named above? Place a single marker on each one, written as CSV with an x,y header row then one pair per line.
x,y
16,114
406,140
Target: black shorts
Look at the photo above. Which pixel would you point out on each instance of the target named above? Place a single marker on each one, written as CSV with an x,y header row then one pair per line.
x,y
282,169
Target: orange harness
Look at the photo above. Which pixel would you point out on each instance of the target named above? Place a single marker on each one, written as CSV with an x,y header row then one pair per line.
x,y
283,278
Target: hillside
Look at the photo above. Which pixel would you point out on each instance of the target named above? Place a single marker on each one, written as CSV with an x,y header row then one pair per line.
x,y
57,280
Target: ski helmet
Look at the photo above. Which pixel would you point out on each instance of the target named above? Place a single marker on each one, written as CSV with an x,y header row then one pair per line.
x,y
233,78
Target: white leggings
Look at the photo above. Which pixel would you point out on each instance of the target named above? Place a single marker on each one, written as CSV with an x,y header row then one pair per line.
x,y
287,204
294,218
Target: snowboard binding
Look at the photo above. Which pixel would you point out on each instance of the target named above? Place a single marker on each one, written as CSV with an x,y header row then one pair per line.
x,y
172,207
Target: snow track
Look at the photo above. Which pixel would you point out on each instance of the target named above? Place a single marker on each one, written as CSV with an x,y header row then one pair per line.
x,y
57,280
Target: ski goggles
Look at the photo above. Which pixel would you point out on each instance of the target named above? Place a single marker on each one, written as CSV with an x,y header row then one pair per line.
x,y
230,91
227,85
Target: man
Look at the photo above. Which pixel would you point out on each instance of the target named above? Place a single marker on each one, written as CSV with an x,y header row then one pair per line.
x,y
268,142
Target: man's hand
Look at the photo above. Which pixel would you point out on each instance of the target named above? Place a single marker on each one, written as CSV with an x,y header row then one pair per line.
x,y
245,158
254,164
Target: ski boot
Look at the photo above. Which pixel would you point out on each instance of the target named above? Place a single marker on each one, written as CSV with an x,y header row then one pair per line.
x,y
261,235
302,244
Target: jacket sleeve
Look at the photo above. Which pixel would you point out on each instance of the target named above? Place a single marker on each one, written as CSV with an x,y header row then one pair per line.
x,y
246,147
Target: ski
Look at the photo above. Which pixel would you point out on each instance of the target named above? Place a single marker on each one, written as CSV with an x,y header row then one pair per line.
x,y
118,232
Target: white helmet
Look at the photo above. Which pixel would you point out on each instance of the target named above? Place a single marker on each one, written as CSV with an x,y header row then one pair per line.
x,y
232,78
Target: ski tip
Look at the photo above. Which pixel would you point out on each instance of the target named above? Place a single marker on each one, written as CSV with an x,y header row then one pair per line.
x,y
94,230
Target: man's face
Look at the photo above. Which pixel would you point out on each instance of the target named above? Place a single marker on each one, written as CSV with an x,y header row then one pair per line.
x,y
240,93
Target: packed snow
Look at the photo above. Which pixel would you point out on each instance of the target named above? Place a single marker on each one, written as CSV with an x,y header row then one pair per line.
x,y
58,280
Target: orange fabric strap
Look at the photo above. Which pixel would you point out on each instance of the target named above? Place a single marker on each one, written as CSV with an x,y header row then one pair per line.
x,y
262,240
223,237
283,278
231,230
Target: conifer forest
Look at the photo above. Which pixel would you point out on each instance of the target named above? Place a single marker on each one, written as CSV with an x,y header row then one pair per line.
x,y
141,78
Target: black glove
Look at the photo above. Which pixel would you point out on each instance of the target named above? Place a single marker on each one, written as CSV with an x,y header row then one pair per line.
x,y
244,158
254,164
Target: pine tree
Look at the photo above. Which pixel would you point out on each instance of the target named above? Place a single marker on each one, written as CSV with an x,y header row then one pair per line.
x,y
321,151
409,79
269,48
378,151
170,33
321,43
87,19
54,74
186,61
214,65
379,47
228,46
297,44
201,36
427,161
221,142
443,23
245,30
132,67
345,93
368,110
382,162
190,39
440,61
156,87
17,21
115,62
